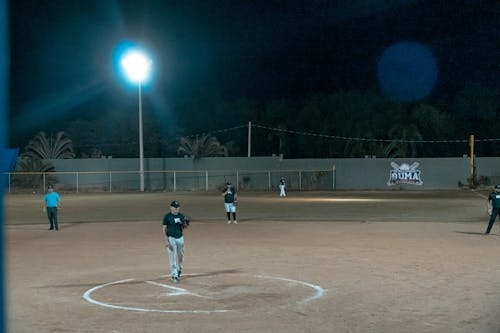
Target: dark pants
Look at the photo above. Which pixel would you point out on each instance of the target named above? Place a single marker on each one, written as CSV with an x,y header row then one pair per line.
x,y
52,215
493,216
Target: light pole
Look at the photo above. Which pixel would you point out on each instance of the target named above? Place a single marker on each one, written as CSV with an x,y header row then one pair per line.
x,y
137,66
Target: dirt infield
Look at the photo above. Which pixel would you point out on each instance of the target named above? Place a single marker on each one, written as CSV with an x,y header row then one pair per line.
x,y
377,261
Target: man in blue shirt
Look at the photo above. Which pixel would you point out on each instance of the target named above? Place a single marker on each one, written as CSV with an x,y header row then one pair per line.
x,y
51,204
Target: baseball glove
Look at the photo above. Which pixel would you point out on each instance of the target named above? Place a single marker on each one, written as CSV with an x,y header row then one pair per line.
x,y
186,222
235,202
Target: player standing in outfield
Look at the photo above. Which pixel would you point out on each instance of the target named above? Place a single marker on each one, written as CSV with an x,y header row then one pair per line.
x,y
282,187
493,207
51,203
230,202
173,226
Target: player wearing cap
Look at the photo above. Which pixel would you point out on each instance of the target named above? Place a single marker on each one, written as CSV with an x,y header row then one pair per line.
x,y
282,187
493,207
230,202
173,225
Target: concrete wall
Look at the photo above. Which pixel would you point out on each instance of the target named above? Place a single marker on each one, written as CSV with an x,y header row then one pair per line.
x,y
352,173
490,167
442,173
154,164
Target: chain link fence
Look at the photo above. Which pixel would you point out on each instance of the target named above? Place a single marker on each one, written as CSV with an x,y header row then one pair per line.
x,y
170,180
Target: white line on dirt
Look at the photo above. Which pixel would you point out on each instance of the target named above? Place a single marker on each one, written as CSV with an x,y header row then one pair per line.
x,y
180,291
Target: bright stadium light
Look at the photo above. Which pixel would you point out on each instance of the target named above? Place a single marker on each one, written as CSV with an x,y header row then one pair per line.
x,y
137,67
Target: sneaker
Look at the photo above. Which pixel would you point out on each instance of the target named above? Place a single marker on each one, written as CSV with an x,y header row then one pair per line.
x,y
235,222
175,279
229,222
179,274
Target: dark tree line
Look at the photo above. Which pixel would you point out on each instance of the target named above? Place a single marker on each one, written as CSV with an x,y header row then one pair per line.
x,y
339,124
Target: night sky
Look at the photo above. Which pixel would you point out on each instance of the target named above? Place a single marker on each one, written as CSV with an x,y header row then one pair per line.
x,y
62,50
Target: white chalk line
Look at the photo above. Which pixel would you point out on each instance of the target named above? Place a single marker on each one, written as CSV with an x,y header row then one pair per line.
x,y
177,292
319,291
89,299
479,194
180,291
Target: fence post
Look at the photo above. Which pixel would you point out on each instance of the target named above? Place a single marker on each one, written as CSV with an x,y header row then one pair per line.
x,y
333,177
175,182
110,183
300,180
77,180
9,181
472,162
269,181
44,187
206,181
237,180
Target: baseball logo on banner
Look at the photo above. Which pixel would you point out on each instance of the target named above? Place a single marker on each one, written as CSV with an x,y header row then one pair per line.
x,y
404,174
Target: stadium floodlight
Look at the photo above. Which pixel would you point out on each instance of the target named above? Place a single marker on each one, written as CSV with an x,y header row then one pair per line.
x,y
137,67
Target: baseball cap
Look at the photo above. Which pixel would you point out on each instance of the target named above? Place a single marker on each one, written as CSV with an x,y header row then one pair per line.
x,y
175,204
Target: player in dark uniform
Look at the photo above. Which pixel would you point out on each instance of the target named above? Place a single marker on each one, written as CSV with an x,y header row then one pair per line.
x,y
173,226
282,187
230,202
494,206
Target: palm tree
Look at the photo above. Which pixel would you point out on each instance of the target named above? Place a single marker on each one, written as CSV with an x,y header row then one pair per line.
x,y
46,148
404,141
363,147
30,173
204,146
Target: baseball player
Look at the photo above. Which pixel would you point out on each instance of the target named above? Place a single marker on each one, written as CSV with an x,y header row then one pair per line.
x,y
230,202
282,187
173,225
52,202
493,207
